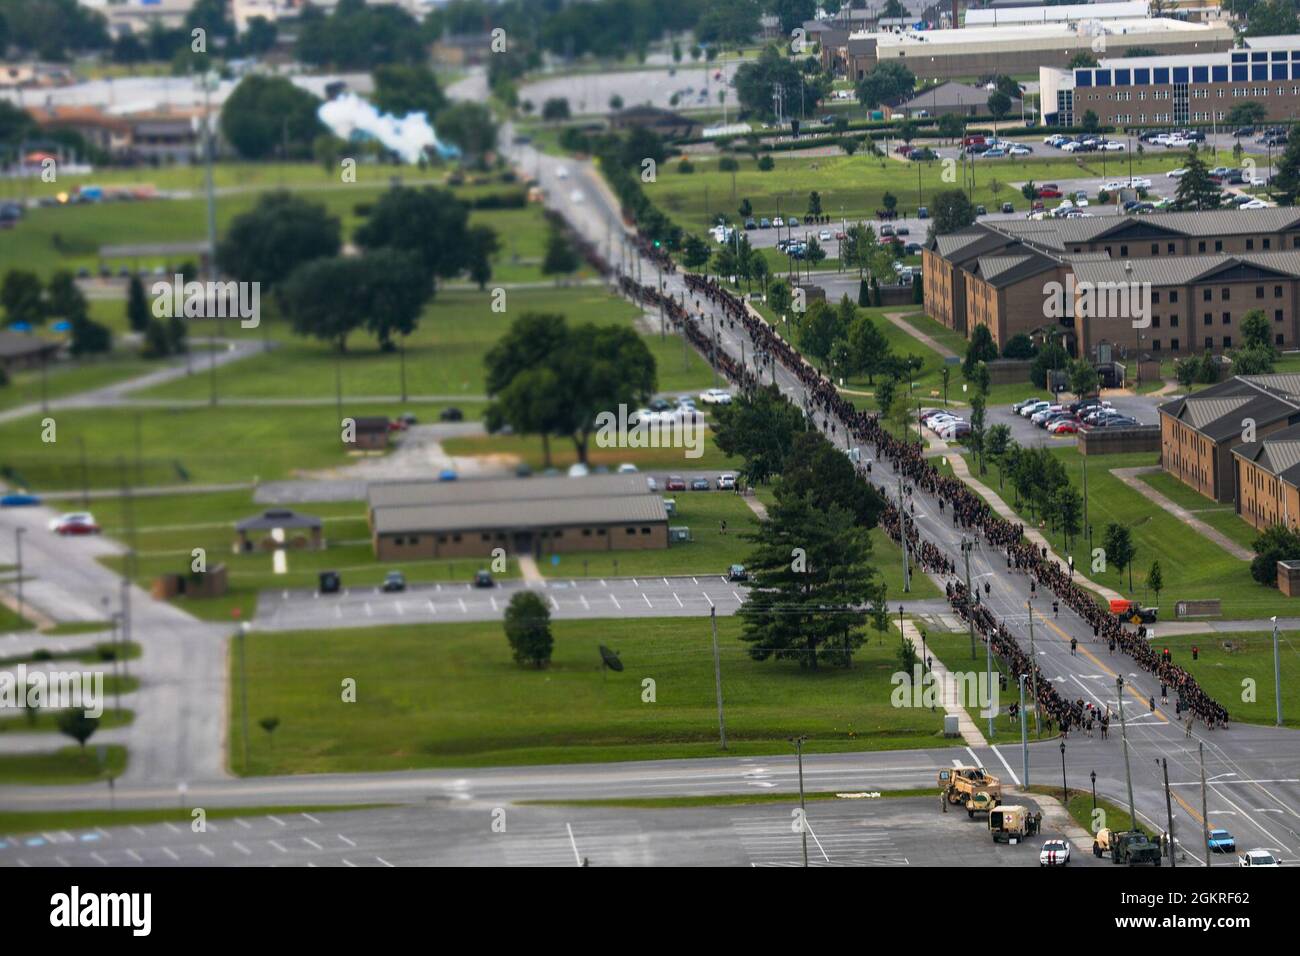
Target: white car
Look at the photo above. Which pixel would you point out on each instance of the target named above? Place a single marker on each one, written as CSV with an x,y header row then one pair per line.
x,y
778,222
651,483
1019,150
1032,407
1141,183
627,468
1178,173
1080,201
1113,147
716,396
578,470
1257,858
1054,853
576,196
1072,147
1254,204
726,482
72,517
824,235
561,172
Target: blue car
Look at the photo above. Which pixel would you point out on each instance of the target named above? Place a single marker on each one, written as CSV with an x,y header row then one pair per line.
x,y
446,475
1221,841
19,500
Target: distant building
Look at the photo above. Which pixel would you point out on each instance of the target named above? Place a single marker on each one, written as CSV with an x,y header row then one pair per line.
x,y
111,134
20,350
995,16
1200,88
532,516
948,98
371,433
667,123
462,49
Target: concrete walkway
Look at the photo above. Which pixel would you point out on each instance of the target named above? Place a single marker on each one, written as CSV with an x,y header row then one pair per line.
x,y
948,697
958,465
1130,477
529,571
896,319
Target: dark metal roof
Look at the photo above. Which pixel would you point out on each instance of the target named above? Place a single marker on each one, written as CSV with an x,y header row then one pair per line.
x,y
1219,412
487,490
278,518
20,345
521,515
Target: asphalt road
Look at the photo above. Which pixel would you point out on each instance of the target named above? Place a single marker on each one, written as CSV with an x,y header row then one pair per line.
x,y
468,832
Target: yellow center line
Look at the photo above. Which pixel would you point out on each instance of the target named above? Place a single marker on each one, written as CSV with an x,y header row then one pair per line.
x,y
1088,654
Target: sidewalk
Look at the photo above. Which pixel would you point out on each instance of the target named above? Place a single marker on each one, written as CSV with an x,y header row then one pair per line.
x,y
948,690
958,465
896,319
1130,477
528,570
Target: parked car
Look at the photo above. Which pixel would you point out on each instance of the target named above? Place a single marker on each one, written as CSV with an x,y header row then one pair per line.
x,y
394,581
716,396
451,414
1032,407
447,475
675,483
578,470
922,212
1022,403
750,224
651,483
19,500
1007,207
76,522
330,582
1049,192
1064,426
700,484
765,223
483,579
726,482
737,572
627,468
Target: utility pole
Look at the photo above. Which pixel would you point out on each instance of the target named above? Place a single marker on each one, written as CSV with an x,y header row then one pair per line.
x,y
803,811
1128,772
717,676
1205,807
243,689
1277,675
988,671
208,79
18,546
970,607
902,528
1033,669
1169,812
1024,736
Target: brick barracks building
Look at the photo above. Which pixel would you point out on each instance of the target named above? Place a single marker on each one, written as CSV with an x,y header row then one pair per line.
x,y
1204,272
1191,88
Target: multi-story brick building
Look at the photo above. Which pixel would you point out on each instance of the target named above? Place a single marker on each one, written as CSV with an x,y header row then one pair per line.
x,y
1197,276
1202,436
1188,88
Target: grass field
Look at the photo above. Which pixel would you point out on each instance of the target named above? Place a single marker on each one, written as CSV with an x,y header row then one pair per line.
x,y
1221,517
10,621
1192,566
450,695
64,766
48,721
1233,676
176,446
852,187
71,377
444,356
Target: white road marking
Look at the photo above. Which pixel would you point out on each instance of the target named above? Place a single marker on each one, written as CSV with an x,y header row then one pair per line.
x,y
463,609
679,600
994,748
707,598
275,819
385,862
203,848
277,846
433,608
311,818
135,856
647,600
168,851
346,840
312,843
241,848
244,823
577,857
616,604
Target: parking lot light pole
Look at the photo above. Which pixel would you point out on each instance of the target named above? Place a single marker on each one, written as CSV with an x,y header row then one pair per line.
x,y
1123,733
18,547
1065,786
803,811
1024,736
1093,777
1277,675
243,689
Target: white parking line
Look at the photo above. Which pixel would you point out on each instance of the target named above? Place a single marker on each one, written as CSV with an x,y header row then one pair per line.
x,y
311,818
574,843
312,843
203,848
385,862
679,600
647,600
616,604
433,608
135,856
168,851
346,840
707,598
275,819
463,609
241,848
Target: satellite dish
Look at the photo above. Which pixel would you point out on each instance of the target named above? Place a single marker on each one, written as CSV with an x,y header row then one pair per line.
x,y
610,658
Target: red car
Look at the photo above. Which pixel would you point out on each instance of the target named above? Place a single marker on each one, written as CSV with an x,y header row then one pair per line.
x,y
80,522
1049,192
675,483
1066,426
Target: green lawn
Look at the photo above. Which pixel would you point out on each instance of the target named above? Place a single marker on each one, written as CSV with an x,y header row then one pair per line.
x,y
444,356
70,377
65,766
201,444
450,695
1221,517
852,187
1192,566
11,621
1228,675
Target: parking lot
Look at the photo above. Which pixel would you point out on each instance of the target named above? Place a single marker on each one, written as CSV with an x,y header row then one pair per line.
x,y
1025,432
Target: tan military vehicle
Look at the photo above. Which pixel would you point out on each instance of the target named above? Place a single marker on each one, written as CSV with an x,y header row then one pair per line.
x,y
1009,824
971,787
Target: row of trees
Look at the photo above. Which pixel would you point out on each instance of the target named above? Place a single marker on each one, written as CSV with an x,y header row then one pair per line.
x,y
28,302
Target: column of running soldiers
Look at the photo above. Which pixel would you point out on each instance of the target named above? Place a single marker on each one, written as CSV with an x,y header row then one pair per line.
x,y
969,511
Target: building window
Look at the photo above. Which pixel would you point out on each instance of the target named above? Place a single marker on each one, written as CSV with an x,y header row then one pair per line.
x,y
1200,246
1227,341
1155,345
1278,339
1170,248
1225,294
1277,315
1209,319
415,539
1155,321
399,540
1218,245
1173,345
1250,244
1123,250
1173,296
631,530
1227,318
645,530
1209,342
1277,292
1207,294
586,532
1155,297
1155,249
1268,243
1173,321
455,538
1259,292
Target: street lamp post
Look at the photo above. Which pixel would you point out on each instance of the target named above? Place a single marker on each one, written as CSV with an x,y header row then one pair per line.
x,y
1093,777
18,547
1065,787
803,812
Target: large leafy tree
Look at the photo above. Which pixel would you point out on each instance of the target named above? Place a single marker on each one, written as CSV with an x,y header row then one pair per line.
x,y
980,348
357,36
268,116
952,210
401,89
1120,550
760,427
755,80
1286,181
383,291
728,22
869,349
275,237
812,581
471,127
431,223
822,472
528,629
888,81
20,294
